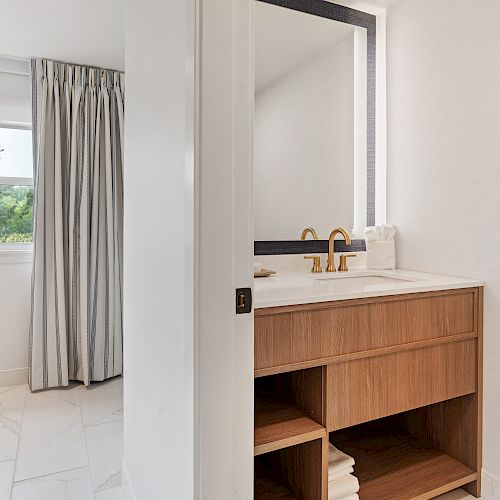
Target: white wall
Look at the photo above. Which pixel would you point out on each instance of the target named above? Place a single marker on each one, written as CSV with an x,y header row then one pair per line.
x,y
304,147
78,31
444,159
15,308
15,93
158,337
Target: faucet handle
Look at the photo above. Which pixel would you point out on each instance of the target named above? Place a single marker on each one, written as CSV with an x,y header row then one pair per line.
x,y
309,230
316,268
343,262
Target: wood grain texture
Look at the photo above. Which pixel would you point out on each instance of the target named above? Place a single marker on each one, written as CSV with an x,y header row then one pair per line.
x,y
274,370
455,426
303,389
371,388
452,428
267,486
287,337
300,468
279,425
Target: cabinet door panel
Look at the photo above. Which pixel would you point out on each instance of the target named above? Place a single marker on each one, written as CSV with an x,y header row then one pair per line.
x,y
366,389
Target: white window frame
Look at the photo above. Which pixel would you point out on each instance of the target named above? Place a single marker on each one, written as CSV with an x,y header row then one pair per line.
x,y
16,252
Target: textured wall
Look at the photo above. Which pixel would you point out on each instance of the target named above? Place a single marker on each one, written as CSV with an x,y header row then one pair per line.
x,y
444,158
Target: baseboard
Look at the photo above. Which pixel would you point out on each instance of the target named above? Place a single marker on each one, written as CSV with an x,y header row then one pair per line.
x,y
490,486
128,490
15,376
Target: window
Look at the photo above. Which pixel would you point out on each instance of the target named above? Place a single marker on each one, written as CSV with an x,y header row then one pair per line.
x,y
16,185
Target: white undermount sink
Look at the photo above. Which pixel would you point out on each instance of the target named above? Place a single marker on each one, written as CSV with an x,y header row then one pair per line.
x,y
357,282
369,279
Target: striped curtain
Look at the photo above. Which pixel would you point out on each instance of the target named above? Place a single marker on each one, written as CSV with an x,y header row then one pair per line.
x,y
76,323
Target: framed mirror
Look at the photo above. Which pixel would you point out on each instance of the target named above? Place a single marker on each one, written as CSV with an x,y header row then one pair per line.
x,y
314,124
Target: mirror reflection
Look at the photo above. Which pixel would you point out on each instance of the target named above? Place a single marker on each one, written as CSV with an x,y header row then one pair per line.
x,y
310,124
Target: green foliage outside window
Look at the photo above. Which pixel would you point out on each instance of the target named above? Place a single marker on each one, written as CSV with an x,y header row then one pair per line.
x,y
16,214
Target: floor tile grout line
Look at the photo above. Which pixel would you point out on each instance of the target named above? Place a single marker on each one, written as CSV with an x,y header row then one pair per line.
x,y
41,476
26,389
75,410
103,423
80,389
75,407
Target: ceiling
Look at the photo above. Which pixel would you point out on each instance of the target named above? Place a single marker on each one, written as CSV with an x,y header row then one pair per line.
x,y
80,31
285,38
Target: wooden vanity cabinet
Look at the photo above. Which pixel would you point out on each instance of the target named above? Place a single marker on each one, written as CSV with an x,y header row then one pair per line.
x,y
339,368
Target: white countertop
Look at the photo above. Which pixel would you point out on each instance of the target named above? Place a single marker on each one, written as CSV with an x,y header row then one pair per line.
x,y
291,288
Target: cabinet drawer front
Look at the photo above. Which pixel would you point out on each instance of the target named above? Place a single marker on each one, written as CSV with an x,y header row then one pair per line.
x,y
298,334
366,389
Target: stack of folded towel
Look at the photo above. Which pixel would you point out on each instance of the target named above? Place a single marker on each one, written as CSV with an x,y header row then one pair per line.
x,y
342,485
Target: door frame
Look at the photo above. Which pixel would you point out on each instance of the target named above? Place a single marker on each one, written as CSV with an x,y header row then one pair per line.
x,y
224,250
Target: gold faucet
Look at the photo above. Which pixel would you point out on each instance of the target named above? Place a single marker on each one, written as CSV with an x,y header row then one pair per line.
x,y
309,230
315,258
330,268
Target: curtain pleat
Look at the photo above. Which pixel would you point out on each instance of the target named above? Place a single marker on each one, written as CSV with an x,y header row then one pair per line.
x,y
76,323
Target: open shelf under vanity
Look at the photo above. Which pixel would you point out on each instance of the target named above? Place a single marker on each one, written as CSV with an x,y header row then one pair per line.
x,y
394,457
393,463
289,441
279,424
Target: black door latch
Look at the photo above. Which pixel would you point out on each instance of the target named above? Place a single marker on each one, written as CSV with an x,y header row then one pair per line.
x,y
243,300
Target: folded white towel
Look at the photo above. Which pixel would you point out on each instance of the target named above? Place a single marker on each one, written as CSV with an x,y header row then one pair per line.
x,y
344,487
354,496
380,247
334,474
338,460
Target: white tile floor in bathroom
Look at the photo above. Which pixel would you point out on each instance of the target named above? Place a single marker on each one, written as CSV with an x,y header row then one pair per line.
x,y
63,444
67,444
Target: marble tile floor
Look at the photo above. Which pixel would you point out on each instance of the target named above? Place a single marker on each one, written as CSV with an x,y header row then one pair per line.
x,y
62,444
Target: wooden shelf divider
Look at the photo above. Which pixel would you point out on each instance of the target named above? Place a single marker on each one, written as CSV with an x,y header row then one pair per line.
x,y
280,425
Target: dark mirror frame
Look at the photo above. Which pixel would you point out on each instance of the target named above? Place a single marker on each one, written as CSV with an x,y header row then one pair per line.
x,y
354,17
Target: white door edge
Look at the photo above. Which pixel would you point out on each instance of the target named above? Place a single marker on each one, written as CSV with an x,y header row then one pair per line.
x,y
224,232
